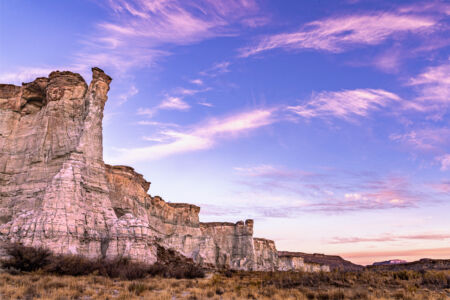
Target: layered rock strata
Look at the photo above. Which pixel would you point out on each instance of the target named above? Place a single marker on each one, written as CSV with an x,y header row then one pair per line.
x,y
56,191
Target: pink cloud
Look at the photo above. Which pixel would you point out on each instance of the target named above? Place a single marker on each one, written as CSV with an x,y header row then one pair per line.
x,y
433,85
332,192
216,69
444,161
389,61
341,33
139,30
428,139
390,238
345,104
270,171
199,137
170,103
443,187
368,257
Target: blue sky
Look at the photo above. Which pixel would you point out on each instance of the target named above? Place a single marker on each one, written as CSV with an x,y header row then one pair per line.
x,y
325,121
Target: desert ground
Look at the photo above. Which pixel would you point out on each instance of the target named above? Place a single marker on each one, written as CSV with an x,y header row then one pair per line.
x,y
233,285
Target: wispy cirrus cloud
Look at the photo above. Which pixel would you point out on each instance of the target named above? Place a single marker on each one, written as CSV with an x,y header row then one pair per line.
x,y
204,103
196,81
198,137
158,124
337,34
169,103
442,187
380,198
365,257
139,31
425,142
346,104
124,97
24,75
444,160
217,69
433,86
330,192
390,238
425,139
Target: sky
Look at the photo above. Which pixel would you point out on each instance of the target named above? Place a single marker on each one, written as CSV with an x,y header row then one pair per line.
x,y
327,122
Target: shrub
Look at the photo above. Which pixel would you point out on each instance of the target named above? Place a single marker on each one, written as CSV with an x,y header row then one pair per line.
x,y
26,258
436,278
137,287
122,268
74,265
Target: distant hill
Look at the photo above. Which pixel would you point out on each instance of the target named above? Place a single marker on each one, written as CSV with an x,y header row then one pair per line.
x,y
423,264
390,262
335,262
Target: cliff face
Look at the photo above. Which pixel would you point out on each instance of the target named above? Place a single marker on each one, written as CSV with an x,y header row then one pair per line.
x,y
326,262
57,192
54,190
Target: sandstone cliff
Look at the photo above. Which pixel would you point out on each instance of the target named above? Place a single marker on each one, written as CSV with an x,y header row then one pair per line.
x,y
56,191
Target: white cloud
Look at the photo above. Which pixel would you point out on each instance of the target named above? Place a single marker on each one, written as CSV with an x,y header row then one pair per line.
x,y
159,124
345,104
174,103
434,84
24,75
425,139
130,93
170,103
338,34
207,104
139,31
199,137
196,81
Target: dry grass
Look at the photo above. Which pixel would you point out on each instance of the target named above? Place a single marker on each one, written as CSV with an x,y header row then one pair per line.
x,y
239,285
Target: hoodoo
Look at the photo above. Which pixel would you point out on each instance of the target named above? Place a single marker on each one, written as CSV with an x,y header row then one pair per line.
x,y
56,191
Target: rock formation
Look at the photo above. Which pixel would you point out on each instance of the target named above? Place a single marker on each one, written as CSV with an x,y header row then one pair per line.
x,y
56,191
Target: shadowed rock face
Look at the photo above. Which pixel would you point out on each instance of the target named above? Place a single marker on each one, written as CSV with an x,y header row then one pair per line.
x,y
56,191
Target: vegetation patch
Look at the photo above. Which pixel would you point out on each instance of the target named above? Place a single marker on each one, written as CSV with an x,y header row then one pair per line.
x,y
27,259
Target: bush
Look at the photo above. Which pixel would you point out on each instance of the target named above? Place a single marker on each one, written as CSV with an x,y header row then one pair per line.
x,y
137,287
436,278
74,265
26,258
29,259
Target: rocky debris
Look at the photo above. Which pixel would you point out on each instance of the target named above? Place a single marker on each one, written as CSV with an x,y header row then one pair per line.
x,y
56,191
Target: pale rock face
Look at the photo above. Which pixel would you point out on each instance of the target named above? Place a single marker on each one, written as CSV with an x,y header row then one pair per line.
x,y
286,263
266,255
56,191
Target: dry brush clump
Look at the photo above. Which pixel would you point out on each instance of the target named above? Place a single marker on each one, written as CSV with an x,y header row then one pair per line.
x,y
28,259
